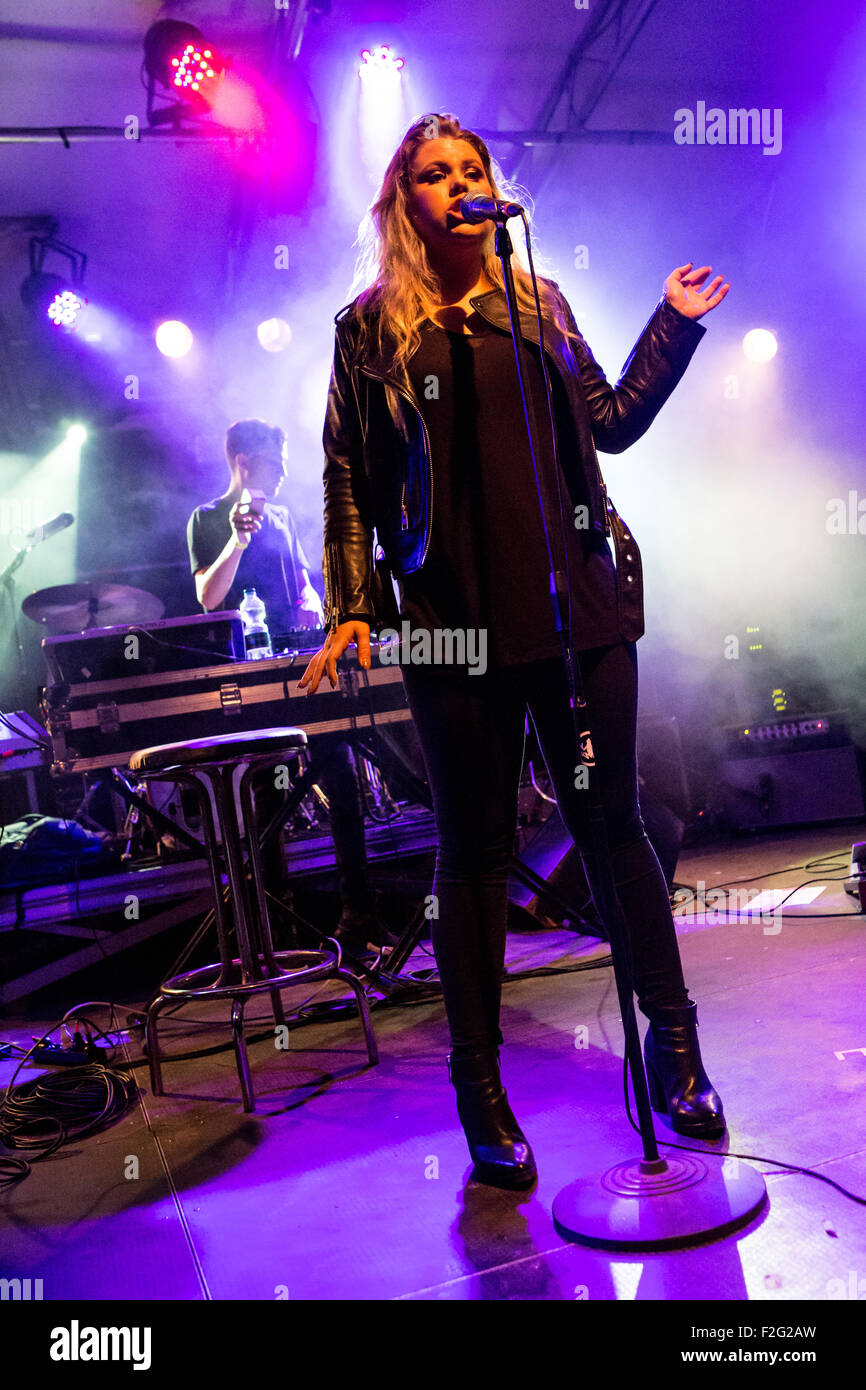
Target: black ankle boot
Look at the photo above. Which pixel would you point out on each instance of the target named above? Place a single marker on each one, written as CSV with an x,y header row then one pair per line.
x,y
499,1149
678,1085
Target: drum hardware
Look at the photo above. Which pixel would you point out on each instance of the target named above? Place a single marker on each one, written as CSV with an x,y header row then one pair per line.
x,y
71,608
378,802
174,802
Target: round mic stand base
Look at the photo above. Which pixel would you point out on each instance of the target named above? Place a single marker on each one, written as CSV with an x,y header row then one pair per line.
x,y
685,1200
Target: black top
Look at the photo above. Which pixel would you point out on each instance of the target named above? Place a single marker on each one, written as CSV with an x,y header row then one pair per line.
x,y
271,564
487,565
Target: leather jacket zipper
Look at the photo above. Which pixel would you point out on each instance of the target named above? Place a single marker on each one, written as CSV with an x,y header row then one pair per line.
x,y
404,514
604,499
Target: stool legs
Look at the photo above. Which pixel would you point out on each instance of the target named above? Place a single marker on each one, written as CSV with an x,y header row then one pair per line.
x,y
262,927
199,786
152,1043
363,1010
224,797
243,1061
241,1056
277,1006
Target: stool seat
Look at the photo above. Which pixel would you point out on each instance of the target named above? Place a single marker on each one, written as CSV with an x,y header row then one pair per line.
x,y
220,748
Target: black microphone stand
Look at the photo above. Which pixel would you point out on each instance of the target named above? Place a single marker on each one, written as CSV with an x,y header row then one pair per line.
x,y
650,1203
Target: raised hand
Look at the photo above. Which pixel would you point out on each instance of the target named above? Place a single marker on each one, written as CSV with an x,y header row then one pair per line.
x,y
683,293
244,523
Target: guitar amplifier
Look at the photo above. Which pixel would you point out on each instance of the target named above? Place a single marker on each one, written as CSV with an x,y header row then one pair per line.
x,y
794,771
99,723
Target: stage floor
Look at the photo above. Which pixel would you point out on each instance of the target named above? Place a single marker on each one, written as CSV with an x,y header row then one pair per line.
x,y
350,1182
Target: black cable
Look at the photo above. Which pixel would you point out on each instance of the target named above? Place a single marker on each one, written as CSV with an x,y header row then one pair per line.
x,y
834,854
386,819
798,917
774,873
69,1104
432,988
41,744
218,658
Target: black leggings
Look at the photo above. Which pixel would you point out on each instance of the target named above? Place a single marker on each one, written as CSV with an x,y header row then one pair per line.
x,y
471,729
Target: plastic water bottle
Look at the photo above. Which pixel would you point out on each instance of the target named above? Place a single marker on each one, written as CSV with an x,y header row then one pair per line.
x,y
257,639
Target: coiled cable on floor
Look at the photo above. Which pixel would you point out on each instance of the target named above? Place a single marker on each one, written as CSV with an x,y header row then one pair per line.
x,y
40,1116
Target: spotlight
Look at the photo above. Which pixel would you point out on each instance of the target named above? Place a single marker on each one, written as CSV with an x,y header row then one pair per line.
x,y
64,309
178,57
54,299
274,335
381,106
760,345
76,434
173,338
51,297
380,64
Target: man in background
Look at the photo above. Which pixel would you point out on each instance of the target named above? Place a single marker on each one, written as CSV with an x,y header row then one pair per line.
x,y
232,550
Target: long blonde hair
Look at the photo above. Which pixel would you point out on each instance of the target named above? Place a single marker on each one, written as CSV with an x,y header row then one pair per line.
x,y
401,285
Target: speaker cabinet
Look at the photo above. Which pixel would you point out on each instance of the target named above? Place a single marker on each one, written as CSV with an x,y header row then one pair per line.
x,y
790,788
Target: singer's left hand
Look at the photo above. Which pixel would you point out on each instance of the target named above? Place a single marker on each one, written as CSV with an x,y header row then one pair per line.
x,y
683,293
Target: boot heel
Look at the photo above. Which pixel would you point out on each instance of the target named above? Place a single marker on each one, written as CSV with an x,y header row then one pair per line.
x,y
678,1085
498,1147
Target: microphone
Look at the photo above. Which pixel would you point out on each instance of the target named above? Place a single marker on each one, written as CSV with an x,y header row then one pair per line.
x,y
48,529
481,208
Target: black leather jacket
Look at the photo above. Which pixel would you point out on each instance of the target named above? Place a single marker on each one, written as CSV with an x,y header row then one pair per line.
x,y
378,468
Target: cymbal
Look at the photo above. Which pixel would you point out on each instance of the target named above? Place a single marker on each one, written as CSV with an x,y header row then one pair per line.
x,y
77,607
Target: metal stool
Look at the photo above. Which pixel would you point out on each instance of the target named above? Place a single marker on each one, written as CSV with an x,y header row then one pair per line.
x,y
259,968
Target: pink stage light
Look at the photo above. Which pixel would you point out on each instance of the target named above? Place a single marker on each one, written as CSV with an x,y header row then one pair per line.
x,y
194,67
179,57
